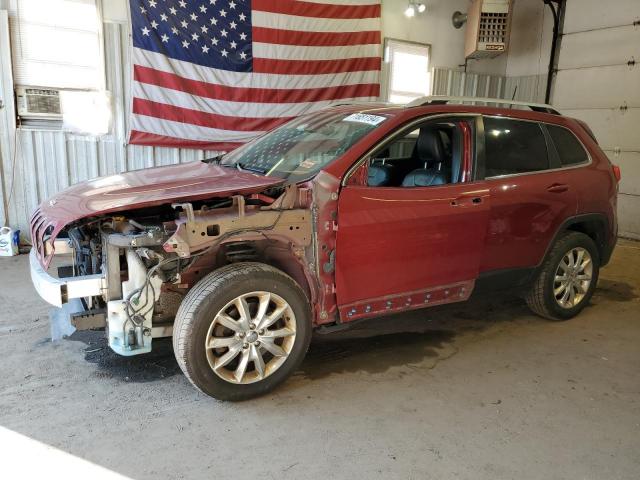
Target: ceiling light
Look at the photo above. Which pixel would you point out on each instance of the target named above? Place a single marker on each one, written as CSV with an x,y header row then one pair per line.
x,y
410,11
421,8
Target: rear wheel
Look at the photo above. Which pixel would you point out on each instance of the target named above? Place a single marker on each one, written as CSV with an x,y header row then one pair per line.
x,y
242,330
567,278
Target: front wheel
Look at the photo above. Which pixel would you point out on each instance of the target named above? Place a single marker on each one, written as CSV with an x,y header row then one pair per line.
x,y
242,330
567,278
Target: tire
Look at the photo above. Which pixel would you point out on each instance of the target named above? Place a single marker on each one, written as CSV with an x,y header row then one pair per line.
x,y
205,321
546,295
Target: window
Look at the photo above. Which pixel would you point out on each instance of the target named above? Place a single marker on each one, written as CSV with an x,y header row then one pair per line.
x,y
513,146
56,43
408,70
570,150
428,156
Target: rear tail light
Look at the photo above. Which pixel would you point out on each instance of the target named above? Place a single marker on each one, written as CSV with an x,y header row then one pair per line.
x,y
616,172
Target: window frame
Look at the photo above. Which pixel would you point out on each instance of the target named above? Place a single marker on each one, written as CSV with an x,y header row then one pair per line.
x,y
388,41
551,149
475,118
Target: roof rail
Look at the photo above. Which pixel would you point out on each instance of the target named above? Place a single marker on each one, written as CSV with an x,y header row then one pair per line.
x,y
443,100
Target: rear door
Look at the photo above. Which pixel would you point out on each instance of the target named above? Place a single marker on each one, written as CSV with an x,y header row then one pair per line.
x,y
401,247
531,193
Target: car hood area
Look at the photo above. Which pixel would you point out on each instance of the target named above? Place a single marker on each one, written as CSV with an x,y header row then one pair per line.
x,y
143,188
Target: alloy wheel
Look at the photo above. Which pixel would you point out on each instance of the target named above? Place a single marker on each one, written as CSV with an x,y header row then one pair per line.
x,y
250,337
573,277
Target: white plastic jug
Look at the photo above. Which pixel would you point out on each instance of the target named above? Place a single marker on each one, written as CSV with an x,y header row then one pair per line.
x,y
9,241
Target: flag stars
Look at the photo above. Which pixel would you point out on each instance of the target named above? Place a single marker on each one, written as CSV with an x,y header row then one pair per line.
x,y
165,38
224,33
212,2
174,30
173,10
164,17
203,9
204,29
184,24
242,17
154,24
232,5
185,44
243,36
205,49
153,3
214,41
214,21
182,3
243,56
145,31
194,17
195,37
223,13
224,53
143,10
233,25
233,45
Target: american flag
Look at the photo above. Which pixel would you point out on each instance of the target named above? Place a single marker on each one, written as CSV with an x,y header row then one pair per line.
x,y
215,73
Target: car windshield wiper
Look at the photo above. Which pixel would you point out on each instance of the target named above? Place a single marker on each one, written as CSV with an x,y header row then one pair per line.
x,y
214,160
249,168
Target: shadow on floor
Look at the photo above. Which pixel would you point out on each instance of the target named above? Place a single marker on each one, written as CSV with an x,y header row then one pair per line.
x,y
373,346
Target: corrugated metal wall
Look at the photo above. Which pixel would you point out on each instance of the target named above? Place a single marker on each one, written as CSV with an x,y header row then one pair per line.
x,y
47,161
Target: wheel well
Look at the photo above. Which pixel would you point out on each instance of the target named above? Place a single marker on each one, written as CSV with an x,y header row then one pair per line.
x,y
274,253
595,228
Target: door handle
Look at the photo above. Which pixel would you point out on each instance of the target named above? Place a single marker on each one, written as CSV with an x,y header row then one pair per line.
x,y
461,201
557,188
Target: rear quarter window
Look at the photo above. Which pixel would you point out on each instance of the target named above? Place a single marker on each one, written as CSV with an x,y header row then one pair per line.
x,y
513,146
569,148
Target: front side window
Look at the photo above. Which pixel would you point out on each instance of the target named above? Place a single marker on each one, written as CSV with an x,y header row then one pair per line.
x,y
513,146
300,148
429,155
570,150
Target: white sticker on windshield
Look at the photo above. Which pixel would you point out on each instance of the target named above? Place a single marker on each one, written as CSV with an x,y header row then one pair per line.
x,y
365,118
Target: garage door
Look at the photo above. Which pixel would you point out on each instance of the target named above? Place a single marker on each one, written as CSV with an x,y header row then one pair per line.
x,y
598,81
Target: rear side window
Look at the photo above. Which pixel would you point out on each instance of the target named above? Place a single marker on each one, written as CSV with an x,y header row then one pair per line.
x,y
513,146
570,150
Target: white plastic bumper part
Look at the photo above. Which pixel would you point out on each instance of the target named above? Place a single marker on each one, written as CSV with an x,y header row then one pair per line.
x,y
57,291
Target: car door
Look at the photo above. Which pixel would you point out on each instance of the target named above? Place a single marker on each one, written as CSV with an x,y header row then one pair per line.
x,y
401,247
531,195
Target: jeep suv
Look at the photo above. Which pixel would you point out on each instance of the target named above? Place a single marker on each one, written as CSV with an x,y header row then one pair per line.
x,y
352,212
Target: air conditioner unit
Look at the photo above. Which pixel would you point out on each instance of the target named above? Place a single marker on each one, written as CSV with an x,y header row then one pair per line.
x,y
488,27
38,103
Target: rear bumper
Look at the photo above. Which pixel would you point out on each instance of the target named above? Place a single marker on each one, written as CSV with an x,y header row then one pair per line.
x,y
58,291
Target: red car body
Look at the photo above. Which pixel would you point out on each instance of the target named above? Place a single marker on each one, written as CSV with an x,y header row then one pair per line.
x,y
382,250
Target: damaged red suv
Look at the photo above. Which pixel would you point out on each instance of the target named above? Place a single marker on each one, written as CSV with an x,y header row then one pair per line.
x,y
349,213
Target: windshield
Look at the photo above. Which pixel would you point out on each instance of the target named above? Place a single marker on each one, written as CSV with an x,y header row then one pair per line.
x,y
300,148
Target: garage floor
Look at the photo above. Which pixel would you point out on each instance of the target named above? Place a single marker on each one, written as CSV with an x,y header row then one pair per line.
x,y
484,390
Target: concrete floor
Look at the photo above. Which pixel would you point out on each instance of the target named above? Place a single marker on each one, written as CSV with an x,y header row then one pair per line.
x,y
483,390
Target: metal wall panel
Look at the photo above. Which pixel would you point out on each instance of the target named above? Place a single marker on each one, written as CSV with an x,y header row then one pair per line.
x,y
581,15
446,81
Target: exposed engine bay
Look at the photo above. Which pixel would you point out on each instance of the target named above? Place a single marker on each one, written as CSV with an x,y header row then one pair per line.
x,y
148,259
